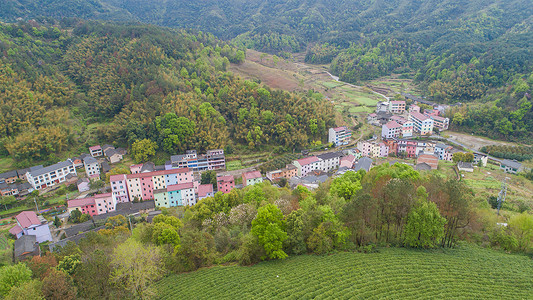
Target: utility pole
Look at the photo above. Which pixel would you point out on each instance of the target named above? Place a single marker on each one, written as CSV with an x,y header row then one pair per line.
x,y
502,194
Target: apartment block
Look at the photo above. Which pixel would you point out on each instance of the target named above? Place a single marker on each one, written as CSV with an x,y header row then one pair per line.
x,y
391,130
422,124
212,160
306,165
42,177
339,136
397,107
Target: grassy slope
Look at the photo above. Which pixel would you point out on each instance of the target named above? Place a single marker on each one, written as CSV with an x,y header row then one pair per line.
x,y
395,273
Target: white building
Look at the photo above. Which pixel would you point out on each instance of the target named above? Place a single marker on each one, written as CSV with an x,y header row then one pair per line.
x,y
91,167
391,130
41,178
339,136
28,223
306,165
422,124
329,161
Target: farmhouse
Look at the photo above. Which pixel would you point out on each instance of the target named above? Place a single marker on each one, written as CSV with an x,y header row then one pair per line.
x,y
28,223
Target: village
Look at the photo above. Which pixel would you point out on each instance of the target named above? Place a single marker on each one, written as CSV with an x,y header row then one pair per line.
x,y
407,136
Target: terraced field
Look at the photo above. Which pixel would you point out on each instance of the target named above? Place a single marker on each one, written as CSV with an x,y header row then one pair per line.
x,y
467,272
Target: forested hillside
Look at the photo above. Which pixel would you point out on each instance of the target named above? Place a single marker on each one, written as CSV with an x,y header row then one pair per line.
x,y
132,82
457,50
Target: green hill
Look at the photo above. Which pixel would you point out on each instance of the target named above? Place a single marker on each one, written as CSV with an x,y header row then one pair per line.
x,y
467,272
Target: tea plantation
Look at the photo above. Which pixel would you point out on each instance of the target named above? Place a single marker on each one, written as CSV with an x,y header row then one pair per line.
x,y
467,272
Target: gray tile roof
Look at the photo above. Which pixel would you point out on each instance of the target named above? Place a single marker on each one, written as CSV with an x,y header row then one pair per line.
x,y
329,155
26,243
422,167
89,160
59,165
463,165
9,174
363,163
511,163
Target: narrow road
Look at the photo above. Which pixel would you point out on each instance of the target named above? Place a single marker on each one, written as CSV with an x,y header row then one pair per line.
x,y
336,78
466,147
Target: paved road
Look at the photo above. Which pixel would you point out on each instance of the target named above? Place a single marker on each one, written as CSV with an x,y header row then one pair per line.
x,y
464,146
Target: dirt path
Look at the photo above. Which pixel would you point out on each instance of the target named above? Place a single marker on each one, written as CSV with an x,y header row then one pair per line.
x,y
474,142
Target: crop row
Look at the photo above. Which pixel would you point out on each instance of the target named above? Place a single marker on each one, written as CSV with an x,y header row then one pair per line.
x,y
393,273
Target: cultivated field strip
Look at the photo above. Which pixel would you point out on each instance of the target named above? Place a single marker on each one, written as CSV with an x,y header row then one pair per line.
x,y
465,273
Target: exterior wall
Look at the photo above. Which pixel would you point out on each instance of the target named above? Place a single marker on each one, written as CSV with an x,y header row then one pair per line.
x,y
253,181
51,178
397,107
159,182
147,188
119,188
171,179
341,136
105,204
330,164
161,199
115,158
188,197
174,198
134,188
383,150
92,169
225,186
42,232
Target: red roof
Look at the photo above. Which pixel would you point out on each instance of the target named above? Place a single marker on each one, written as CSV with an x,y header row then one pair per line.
x,y
398,102
80,202
419,116
97,147
393,124
225,178
15,230
307,160
117,177
252,175
106,195
339,128
157,173
179,187
27,218
205,189
350,158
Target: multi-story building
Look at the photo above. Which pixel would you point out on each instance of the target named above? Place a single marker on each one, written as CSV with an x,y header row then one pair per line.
x,y
95,205
92,169
306,165
225,183
175,195
96,151
440,122
391,130
41,177
212,160
407,147
397,107
119,187
251,178
329,161
444,152
141,185
414,108
373,149
205,190
407,126
422,124
9,177
288,172
339,136
28,223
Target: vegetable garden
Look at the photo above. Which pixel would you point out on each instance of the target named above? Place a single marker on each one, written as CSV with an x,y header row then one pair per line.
x,y
394,273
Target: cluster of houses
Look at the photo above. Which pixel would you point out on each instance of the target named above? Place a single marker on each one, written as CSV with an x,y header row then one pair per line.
x,y
397,122
30,231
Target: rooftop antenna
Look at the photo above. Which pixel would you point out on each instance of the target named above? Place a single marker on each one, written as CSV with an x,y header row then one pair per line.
x,y
502,194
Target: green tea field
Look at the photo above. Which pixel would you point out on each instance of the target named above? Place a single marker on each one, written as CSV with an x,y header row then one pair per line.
x,y
467,272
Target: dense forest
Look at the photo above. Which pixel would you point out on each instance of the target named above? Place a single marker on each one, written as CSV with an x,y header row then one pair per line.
x,y
65,82
388,206
476,52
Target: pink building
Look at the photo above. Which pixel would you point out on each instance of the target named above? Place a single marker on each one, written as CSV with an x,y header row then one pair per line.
x,y
119,187
96,205
225,183
347,161
142,185
414,108
407,126
205,190
135,169
391,130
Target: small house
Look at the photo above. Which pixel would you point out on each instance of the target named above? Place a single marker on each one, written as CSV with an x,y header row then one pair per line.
x,y
511,166
96,151
465,166
83,185
28,223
